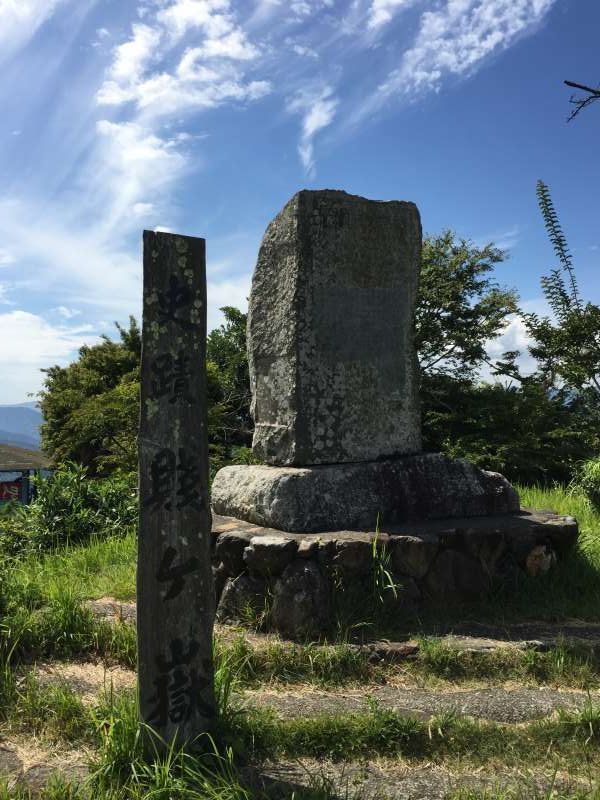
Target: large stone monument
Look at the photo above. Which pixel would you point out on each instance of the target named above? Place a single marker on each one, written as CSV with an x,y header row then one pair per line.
x,y
334,379
330,332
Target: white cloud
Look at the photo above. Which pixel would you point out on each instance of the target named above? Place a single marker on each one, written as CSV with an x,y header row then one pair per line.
x,y
132,57
382,11
72,263
6,258
452,40
142,209
19,21
226,293
29,343
301,8
233,45
504,240
136,164
206,75
66,313
185,15
318,109
516,337
301,49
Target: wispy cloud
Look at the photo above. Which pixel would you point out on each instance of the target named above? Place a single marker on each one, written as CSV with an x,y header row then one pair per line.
x,y
66,313
6,257
118,148
136,165
504,239
28,343
66,258
20,20
382,11
454,40
317,108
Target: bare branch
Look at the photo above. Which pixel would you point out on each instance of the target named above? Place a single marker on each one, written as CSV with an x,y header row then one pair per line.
x,y
582,102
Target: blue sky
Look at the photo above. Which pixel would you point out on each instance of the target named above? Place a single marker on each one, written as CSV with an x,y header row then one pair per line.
x,y
205,116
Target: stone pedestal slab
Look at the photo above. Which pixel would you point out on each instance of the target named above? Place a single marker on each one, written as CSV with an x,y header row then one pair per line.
x,y
353,496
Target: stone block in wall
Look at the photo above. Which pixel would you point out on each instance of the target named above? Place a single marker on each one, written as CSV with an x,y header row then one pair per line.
x,y
240,595
229,551
269,555
301,601
455,576
413,555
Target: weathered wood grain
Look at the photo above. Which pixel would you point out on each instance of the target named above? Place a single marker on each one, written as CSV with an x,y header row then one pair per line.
x,y
174,581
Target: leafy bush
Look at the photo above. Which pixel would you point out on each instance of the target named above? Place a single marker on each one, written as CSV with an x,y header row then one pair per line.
x,y
588,481
70,507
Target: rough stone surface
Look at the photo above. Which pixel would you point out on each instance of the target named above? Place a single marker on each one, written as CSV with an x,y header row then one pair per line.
x,y
220,574
333,366
540,560
229,550
440,561
456,576
413,555
353,557
338,496
301,601
239,595
269,555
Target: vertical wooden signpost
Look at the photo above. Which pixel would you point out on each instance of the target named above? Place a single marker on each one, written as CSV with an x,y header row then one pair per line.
x,y
175,598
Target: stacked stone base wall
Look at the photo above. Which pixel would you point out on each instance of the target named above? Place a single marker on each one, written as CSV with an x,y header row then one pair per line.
x,y
296,577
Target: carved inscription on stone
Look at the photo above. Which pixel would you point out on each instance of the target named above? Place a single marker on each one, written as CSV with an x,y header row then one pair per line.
x,y
175,594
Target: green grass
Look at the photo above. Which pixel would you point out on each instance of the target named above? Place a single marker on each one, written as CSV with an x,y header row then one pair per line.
x,y
65,629
56,713
565,665
569,739
41,616
326,666
526,792
572,588
103,567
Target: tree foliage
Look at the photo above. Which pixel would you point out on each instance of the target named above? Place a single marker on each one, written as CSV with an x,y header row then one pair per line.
x,y
226,352
522,430
91,407
567,347
460,307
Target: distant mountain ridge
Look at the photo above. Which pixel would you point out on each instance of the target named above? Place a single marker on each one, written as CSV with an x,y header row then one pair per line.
x,y
20,425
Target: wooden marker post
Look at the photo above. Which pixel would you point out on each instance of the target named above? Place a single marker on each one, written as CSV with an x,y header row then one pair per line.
x,y
175,597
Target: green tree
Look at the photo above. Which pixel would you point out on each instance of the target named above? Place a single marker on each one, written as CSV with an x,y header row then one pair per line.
x,y
90,408
529,434
567,347
226,350
460,307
